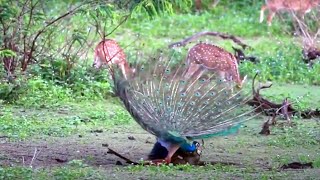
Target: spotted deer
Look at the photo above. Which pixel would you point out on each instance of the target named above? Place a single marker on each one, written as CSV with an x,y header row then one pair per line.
x,y
109,52
213,58
300,6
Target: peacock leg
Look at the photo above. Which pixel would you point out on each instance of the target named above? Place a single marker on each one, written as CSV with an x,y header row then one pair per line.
x,y
171,150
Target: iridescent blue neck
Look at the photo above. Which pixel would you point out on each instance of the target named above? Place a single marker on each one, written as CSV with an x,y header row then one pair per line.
x,y
186,147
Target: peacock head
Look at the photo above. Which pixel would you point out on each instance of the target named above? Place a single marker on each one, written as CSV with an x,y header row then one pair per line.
x,y
194,147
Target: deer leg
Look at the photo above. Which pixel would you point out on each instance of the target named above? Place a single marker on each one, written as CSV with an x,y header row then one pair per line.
x,y
192,71
270,17
222,75
215,3
197,4
123,69
97,63
296,23
244,79
263,8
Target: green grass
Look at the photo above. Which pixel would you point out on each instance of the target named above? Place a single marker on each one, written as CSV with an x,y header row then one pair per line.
x,y
25,123
303,135
74,170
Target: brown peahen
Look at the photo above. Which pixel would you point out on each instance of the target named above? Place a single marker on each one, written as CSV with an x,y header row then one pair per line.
x,y
178,111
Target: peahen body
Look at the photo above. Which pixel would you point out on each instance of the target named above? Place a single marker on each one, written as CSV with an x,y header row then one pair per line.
x,y
179,111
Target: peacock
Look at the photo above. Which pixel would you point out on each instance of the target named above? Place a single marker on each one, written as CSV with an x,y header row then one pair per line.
x,y
176,110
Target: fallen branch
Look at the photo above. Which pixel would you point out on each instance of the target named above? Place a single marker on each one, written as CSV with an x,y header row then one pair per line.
x,y
110,151
297,165
265,128
240,56
271,109
204,33
311,55
204,163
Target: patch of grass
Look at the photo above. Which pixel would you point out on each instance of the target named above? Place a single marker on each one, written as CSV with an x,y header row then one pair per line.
x,y
74,170
302,97
16,173
40,93
25,123
219,19
214,171
189,168
302,134
316,162
24,127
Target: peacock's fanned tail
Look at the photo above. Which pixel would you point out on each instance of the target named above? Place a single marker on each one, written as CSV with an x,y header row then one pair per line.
x,y
171,107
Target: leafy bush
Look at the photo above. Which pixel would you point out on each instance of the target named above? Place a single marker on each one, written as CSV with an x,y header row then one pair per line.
x,y
50,90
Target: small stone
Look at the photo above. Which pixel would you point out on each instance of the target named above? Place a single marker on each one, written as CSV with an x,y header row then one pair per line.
x,y
148,141
97,131
131,138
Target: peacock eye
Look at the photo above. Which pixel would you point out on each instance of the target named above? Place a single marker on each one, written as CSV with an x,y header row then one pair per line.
x,y
197,94
197,144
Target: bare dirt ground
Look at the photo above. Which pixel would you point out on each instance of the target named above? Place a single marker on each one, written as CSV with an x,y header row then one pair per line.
x,y
255,158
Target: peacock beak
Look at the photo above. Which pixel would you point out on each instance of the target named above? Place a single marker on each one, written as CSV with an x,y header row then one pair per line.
x,y
199,147
199,151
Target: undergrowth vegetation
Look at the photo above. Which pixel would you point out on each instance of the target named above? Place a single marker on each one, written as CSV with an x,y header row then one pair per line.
x,y
53,80
56,80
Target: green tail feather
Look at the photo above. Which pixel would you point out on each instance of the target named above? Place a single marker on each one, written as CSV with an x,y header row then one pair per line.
x,y
225,132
